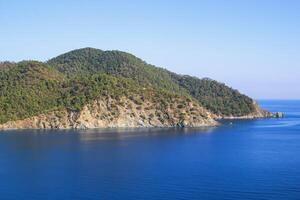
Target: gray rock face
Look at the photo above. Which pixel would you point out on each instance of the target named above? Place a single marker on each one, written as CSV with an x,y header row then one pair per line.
x,y
278,115
122,113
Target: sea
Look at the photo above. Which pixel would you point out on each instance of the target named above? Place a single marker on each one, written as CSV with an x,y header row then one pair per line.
x,y
239,160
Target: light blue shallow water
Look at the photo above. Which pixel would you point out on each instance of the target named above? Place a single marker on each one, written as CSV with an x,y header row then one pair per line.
x,y
258,159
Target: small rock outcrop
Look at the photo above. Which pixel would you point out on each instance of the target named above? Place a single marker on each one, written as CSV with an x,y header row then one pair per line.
x,y
278,115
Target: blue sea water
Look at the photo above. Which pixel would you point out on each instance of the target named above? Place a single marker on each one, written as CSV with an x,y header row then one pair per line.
x,y
245,159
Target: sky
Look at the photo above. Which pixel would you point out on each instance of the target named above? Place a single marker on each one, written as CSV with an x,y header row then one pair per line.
x,y
251,45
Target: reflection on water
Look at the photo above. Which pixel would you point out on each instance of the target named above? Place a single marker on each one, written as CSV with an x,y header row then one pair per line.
x,y
47,139
123,133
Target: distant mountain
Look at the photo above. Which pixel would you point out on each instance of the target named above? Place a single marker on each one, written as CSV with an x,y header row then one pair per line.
x,y
91,88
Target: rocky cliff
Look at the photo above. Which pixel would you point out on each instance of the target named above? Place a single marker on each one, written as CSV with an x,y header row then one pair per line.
x,y
124,112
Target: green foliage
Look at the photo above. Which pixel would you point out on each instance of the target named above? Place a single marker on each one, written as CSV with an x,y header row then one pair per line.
x,y
117,63
31,88
26,89
76,78
214,96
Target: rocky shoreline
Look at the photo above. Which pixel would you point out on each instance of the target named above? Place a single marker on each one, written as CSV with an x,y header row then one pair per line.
x,y
127,113
124,113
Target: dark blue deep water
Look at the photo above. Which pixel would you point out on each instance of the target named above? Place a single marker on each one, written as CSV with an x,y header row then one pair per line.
x,y
250,159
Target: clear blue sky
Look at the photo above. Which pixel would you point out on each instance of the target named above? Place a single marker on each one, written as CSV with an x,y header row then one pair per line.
x,y
252,45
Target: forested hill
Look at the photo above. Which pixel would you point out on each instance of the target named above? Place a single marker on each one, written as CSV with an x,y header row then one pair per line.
x,y
132,92
117,63
35,95
216,97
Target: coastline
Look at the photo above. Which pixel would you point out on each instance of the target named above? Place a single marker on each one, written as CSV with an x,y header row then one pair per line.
x,y
37,124
97,115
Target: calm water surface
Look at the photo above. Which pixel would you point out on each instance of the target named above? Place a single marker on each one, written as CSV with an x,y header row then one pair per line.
x,y
257,159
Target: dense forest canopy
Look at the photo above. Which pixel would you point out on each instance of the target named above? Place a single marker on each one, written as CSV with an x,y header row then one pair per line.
x,y
215,96
73,79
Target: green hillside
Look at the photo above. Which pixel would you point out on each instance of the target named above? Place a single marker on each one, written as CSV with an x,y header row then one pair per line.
x,y
117,63
78,77
215,96
30,88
